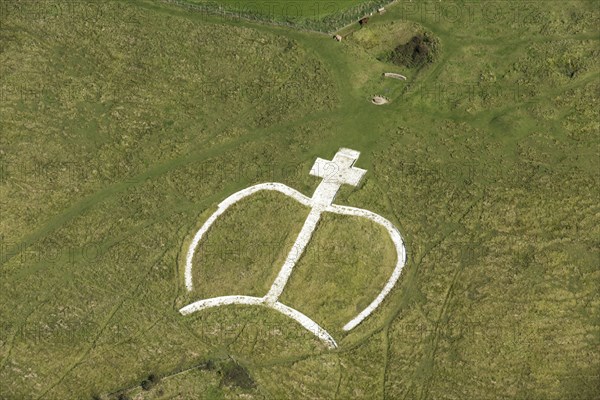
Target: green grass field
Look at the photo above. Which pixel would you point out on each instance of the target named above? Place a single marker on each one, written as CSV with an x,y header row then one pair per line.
x,y
124,124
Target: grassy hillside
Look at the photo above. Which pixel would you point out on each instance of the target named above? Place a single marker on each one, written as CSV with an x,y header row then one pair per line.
x,y
124,124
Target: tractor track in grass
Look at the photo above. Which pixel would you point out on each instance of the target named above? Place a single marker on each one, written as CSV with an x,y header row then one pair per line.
x,y
435,344
131,233
339,382
134,230
187,207
407,281
484,118
111,190
100,331
384,329
386,358
429,74
507,42
182,161
179,370
13,337
116,188
442,313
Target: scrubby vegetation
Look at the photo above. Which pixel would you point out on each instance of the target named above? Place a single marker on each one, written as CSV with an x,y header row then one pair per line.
x,y
233,374
418,52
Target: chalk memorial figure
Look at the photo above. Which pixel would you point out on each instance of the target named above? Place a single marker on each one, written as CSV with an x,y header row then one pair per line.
x,y
334,173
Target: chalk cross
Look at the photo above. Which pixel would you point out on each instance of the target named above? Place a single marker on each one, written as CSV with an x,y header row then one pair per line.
x,y
340,170
335,173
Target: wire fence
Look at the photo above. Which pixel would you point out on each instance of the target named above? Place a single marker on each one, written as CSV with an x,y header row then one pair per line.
x,y
326,24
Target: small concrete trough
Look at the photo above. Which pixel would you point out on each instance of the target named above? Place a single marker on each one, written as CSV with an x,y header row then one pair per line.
x,y
395,76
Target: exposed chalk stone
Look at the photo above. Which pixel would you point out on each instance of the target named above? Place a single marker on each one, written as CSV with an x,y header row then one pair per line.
x,y
395,76
379,100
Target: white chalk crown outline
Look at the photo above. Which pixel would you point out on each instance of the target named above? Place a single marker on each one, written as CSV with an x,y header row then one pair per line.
x,y
339,171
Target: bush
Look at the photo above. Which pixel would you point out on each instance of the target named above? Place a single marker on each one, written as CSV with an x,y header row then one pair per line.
x,y
208,365
147,385
233,374
150,382
418,52
154,378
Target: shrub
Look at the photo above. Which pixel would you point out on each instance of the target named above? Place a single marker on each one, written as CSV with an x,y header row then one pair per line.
x,y
233,374
147,385
154,378
418,52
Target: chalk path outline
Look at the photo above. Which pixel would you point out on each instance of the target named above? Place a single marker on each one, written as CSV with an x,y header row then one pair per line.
x,y
321,202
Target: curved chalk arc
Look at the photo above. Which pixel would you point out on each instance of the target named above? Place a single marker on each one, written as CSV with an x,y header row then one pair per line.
x,y
296,315
400,251
223,206
270,299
